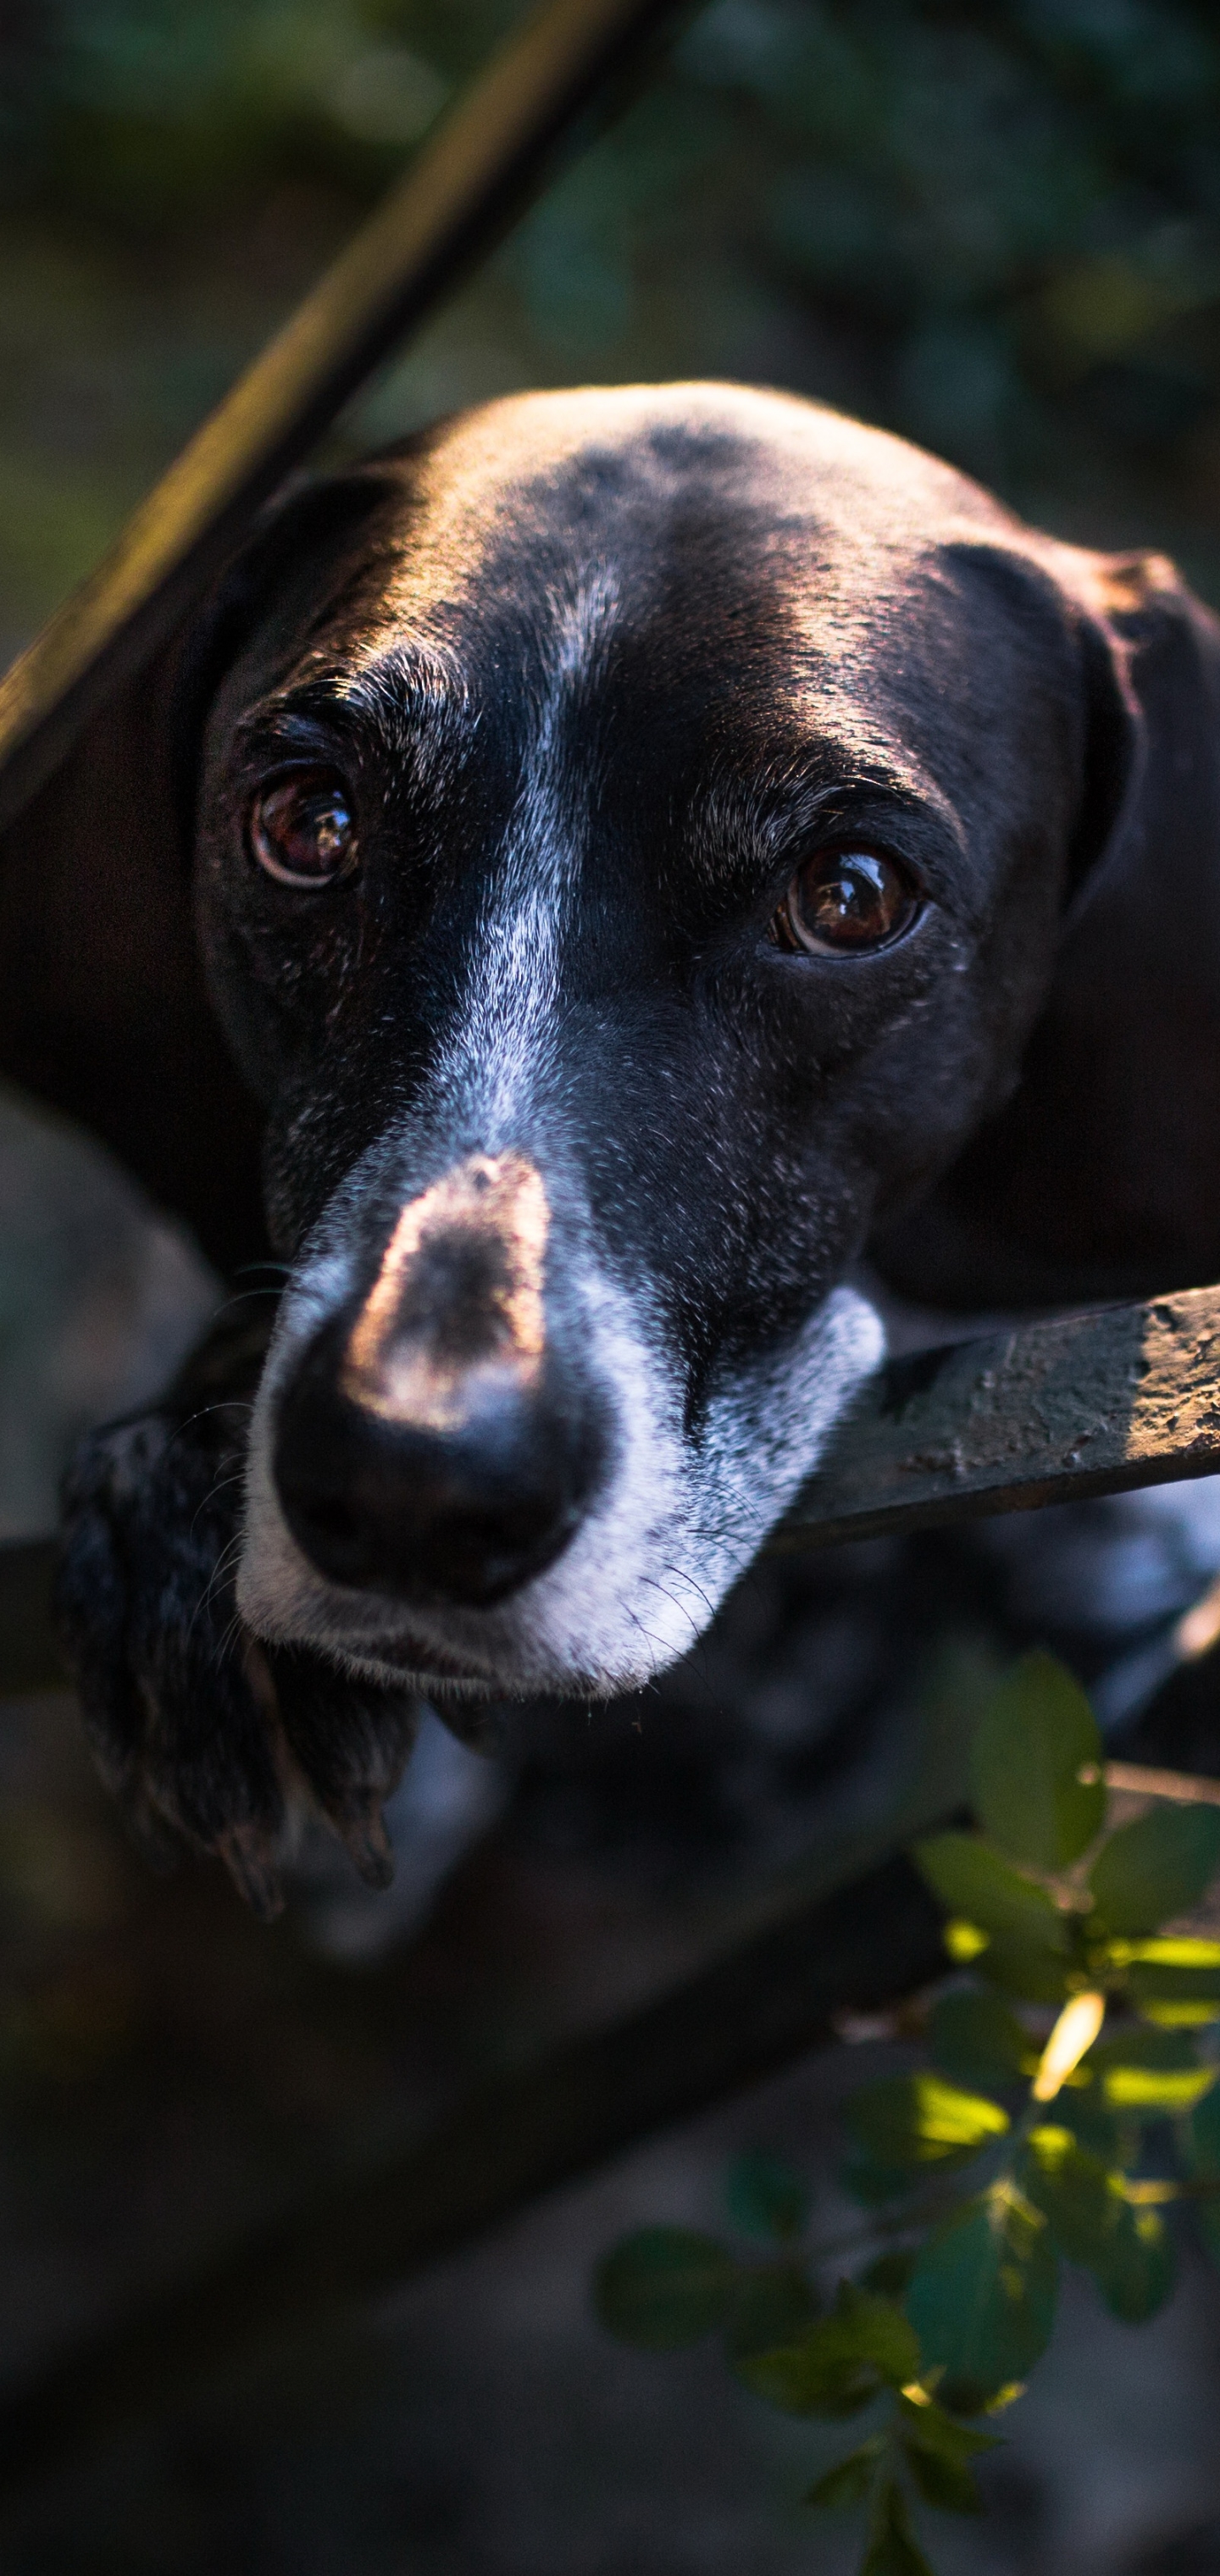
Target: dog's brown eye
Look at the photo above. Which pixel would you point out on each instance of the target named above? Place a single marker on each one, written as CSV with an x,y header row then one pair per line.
x,y
301,829
846,901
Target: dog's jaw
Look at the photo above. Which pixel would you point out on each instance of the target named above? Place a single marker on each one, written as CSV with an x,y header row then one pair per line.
x,y
678,1518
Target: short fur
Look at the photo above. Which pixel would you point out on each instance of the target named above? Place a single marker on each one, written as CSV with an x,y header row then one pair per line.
x,y
599,668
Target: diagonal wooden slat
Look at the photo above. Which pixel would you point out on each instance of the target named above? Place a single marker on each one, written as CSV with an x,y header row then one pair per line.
x,y
1044,1413
486,158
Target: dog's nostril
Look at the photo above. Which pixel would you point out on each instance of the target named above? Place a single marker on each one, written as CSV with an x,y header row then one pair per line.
x,y
465,1510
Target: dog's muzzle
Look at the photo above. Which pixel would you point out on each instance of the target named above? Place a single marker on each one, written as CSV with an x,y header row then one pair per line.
x,y
432,1443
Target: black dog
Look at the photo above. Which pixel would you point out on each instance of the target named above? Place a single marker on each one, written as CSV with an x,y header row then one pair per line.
x,y
652,847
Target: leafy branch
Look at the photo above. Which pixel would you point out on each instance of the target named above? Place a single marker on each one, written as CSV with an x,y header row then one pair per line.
x,y
1066,2079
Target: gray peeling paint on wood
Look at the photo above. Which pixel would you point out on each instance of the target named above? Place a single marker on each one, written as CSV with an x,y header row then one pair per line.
x,y
1042,1413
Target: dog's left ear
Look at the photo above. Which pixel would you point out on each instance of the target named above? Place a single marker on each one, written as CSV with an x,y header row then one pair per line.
x,y
1101,1175
103,1012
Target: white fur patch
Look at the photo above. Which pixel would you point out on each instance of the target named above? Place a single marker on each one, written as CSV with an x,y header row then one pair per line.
x,y
678,1520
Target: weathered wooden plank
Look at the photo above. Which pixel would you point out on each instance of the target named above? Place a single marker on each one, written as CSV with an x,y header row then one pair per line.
x,y
1044,1413
769,1999
464,186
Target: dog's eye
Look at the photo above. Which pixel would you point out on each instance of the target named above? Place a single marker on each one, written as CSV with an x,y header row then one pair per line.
x,y
301,828
846,901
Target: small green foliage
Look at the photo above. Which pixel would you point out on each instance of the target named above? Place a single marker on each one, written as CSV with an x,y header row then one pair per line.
x,y
1074,2191
1137,2276
982,2295
1174,1982
1156,1868
841,2362
891,2550
1152,2074
768,2308
665,2287
947,2318
765,2198
972,1880
848,2483
922,2120
939,2453
1036,1766
974,2039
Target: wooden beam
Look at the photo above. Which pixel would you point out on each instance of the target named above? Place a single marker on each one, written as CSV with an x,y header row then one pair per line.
x,y
463,188
771,1998
1044,1413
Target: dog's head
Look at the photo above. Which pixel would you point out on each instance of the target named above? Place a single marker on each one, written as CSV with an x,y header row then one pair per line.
x,y
635,834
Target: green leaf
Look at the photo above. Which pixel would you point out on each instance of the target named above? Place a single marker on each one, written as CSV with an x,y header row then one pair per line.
x,y
769,2308
849,2481
939,2452
1161,1865
974,2039
1074,2192
839,2363
922,2120
1138,2275
1174,1982
766,2198
892,2550
664,2287
972,1880
889,2273
1201,2144
1038,1733
982,2296
1023,1969
873,2184
1154,2074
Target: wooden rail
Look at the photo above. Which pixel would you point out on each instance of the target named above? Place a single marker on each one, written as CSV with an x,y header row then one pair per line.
x,y
1044,1413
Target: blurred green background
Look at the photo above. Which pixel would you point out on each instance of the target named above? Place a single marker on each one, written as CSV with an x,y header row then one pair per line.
x,y
996,229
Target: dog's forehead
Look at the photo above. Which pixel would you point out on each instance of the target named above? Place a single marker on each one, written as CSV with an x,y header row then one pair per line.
x,y
679,507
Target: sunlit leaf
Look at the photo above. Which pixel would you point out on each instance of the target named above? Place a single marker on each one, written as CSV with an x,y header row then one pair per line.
x,y
766,2198
849,2481
974,2039
892,2550
665,2287
1071,2039
1155,1868
982,2296
1151,2074
838,2364
972,1880
1174,1982
922,2120
1037,1736
1075,2193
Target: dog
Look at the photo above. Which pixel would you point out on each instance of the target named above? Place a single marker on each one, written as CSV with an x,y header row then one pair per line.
x,y
652,849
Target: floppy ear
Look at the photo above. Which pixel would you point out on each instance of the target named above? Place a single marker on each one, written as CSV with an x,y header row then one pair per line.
x,y
1101,1175
103,1012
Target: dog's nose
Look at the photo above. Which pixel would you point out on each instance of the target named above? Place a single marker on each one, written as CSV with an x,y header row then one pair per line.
x,y
431,1445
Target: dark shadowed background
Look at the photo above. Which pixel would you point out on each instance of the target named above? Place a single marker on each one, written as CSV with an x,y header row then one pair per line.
x,y
995,229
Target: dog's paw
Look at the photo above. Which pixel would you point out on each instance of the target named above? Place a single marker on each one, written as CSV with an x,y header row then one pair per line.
x,y
200,1731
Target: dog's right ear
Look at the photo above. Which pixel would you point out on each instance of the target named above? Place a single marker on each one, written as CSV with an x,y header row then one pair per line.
x,y
1100,1177
103,1012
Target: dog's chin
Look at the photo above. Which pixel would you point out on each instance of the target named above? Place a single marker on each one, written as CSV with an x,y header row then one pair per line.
x,y
641,1577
